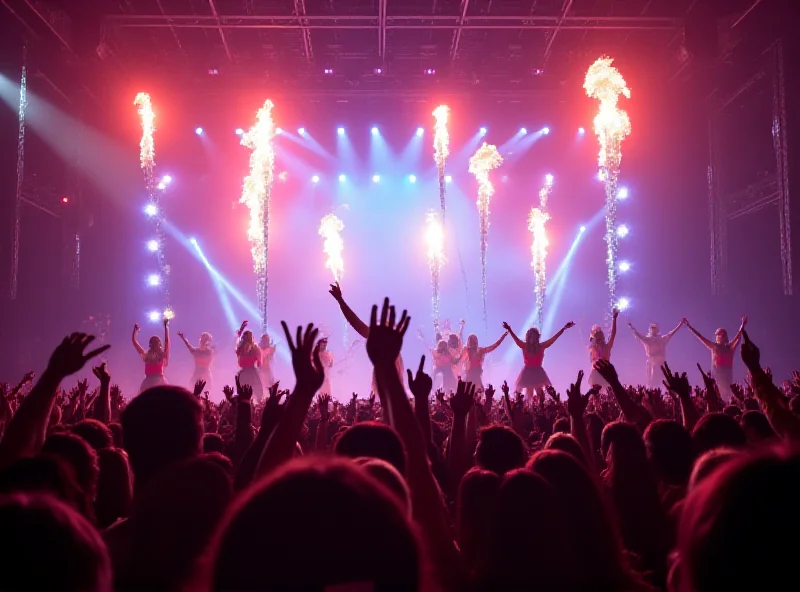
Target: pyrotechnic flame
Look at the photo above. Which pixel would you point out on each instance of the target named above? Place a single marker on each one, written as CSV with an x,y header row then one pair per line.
x,y
434,239
169,314
485,159
330,228
605,83
441,148
537,221
147,152
256,192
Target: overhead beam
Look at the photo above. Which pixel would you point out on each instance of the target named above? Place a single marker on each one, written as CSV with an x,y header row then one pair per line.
x,y
215,14
457,33
382,29
562,17
50,26
171,29
300,12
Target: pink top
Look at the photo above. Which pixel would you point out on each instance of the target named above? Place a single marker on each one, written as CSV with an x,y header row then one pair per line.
x,y
442,360
474,359
599,352
154,368
249,360
534,358
722,355
203,357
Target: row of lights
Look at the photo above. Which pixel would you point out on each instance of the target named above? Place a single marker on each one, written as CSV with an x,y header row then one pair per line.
x,y
376,178
624,265
301,131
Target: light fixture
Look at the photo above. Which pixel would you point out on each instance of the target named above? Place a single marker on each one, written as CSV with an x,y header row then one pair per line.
x,y
375,131
198,131
152,245
301,131
412,178
315,179
523,131
153,279
151,209
420,131
340,131
622,193
376,178
342,178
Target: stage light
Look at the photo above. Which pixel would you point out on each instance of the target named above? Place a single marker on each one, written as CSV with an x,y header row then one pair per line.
x,y
151,209
483,131
548,178
166,179
622,231
154,316
624,266
239,131
342,178
377,71
583,229
581,131
153,279
420,131
622,193
162,185
152,245
623,304
375,131
301,131
198,131
376,178
315,179
329,71
523,131
448,179
429,71
545,130
412,178
278,131
193,240
65,200
340,131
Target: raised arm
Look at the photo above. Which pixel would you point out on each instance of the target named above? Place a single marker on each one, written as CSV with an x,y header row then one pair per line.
x,y
351,317
491,348
555,337
702,339
461,331
613,329
166,341
517,340
675,330
139,349
639,337
191,348
738,337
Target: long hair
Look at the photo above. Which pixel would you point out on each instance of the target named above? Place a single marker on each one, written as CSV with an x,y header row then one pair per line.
x,y
155,350
532,337
247,345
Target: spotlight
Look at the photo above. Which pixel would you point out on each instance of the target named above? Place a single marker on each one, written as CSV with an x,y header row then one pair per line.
x,y
315,179
483,131
342,178
162,185
412,178
377,71
581,131
340,131
198,131
623,304
278,131
301,131
375,131
548,178
420,131
376,178
154,316
193,240
166,179
624,266
583,229
622,231
153,279
622,193
151,209
448,179
429,71
329,71
523,131
239,131
545,130
152,245
65,200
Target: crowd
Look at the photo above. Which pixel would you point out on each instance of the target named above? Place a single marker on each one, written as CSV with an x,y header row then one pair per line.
x,y
624,488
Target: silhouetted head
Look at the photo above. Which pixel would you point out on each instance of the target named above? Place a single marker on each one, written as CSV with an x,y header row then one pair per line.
x,y
96,433
43,474
76,453
757,428
374,440
476,510
213,443
709,462
114,487
717,430
670,450
472,341
348,522
499,449
721,335
532,337
389,477
566,443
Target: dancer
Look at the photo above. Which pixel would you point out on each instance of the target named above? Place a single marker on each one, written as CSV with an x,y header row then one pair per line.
x,y
455,343
362,329
203,355
248,355
532,376
326,357
268,348
473,357
655,348
444,363
599,349
722,354
155,358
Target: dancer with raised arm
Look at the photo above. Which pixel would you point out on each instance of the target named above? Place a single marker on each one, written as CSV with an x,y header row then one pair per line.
x,y
655,348
326,357
473,357
155,358
248,355
268,348
600,349
722,354
203,355
532,376
361,328
444,363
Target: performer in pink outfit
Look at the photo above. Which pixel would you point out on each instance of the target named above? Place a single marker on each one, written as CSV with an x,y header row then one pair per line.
x,y
267,347
326,357
655,348
722,354
155,358
599,349
203,355
473,357
444,363
248,355
532,376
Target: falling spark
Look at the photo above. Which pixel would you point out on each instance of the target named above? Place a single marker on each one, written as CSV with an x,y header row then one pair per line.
x,y
537,221
605,83
434,238
485,159
441,148
147,153
256,192
330,228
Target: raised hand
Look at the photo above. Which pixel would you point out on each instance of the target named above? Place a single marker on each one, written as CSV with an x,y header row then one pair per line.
x,y
166,322
553,393
744,321
200,385
242,327
83,387
462,401
275,395
607,371
676,383
489,392
29,376
69,357
336,291
615,313
504,388
569,325
385,338
576,402
181,335
228,392
101,372
421,384
507,327
245,392
322,404
136,328
306,362
751,356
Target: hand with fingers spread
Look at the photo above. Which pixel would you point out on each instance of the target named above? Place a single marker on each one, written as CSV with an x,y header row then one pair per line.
x,y
200,386
607,371
751,356
336,291
323,401
712,395
461,402
228,392
676,383
420,384
275,395
551,391
386,335
576,402
69,357
306,362
101,372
